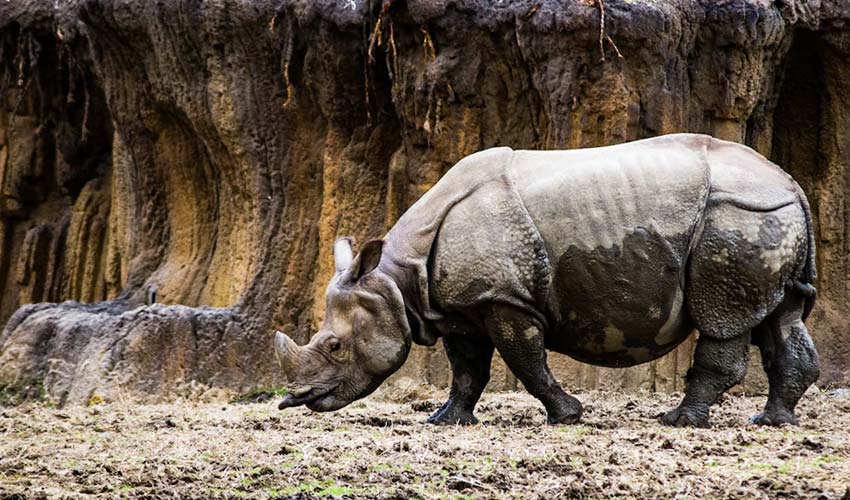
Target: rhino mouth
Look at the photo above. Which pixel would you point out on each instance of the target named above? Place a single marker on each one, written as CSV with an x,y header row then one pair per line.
x,y
309,397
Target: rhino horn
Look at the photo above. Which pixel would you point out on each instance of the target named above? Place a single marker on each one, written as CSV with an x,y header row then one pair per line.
x,y
288,353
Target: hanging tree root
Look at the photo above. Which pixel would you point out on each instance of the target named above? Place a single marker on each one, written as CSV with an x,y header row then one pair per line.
x,y
377,39
428,51
614,45
602,36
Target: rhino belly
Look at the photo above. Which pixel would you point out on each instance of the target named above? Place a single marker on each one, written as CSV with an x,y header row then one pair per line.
x,y
620,306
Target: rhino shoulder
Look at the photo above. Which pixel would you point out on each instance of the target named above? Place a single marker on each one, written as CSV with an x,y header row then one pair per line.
x,y
410,244
489,250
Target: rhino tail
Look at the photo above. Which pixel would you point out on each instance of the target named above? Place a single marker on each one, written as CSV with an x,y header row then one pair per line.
x,y
804,284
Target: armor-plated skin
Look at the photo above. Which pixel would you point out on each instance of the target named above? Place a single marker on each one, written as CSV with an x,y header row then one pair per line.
x,y
610,255
601,230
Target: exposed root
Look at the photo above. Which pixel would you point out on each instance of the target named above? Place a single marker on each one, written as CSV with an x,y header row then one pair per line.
x,y
289,88
375,39
368,107
393,50
429,53
287,57
602,35
85,128
601,4
614,45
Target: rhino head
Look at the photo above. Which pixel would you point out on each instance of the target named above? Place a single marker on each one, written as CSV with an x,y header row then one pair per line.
x,y
365,336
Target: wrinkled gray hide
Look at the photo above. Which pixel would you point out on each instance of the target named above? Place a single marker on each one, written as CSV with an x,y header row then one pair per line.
x,y
612,256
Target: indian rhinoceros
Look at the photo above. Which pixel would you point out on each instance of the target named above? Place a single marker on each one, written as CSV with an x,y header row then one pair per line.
x,y
610,255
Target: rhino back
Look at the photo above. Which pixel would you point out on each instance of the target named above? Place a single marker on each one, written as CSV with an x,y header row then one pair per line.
x,y
747,179
617,223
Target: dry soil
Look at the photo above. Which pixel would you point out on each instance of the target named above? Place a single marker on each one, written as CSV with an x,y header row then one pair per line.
x,y
379,448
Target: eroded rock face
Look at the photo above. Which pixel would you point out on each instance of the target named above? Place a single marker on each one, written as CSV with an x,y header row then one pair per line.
x,y
213,151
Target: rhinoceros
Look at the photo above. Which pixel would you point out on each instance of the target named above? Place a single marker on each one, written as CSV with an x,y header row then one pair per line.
x,y
610,255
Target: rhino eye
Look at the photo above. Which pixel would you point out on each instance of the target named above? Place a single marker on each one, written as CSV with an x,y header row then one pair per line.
x,y
333,344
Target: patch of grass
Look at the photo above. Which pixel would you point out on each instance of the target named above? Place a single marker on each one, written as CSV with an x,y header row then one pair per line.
x,y
574,430
298,488
327,488
259,394
827,459
297,457
215,490
335,490
86,437
257,476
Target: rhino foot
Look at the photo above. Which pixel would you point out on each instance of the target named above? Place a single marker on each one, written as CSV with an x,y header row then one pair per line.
x,y
775,417
685,417
567,412
566,419
452,414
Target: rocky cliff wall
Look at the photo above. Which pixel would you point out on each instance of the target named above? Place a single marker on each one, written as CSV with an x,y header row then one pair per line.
x,y
209,152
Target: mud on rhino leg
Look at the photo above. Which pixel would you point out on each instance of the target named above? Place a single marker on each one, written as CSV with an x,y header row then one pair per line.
x,y
718,365
469,357
789,358
518,337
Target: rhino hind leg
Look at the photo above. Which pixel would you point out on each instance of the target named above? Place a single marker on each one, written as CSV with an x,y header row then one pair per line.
x,y
519,338
740,277
740,264
718,365
789,358
469,358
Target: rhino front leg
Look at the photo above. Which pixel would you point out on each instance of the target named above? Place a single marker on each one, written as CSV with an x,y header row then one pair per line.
x,y
718,365
469,357
789,359
518,337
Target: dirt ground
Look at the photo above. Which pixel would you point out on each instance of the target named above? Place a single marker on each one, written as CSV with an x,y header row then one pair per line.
x,y
378,448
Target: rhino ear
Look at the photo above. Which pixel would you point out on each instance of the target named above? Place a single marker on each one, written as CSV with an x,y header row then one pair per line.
x,y
367,260
343,255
